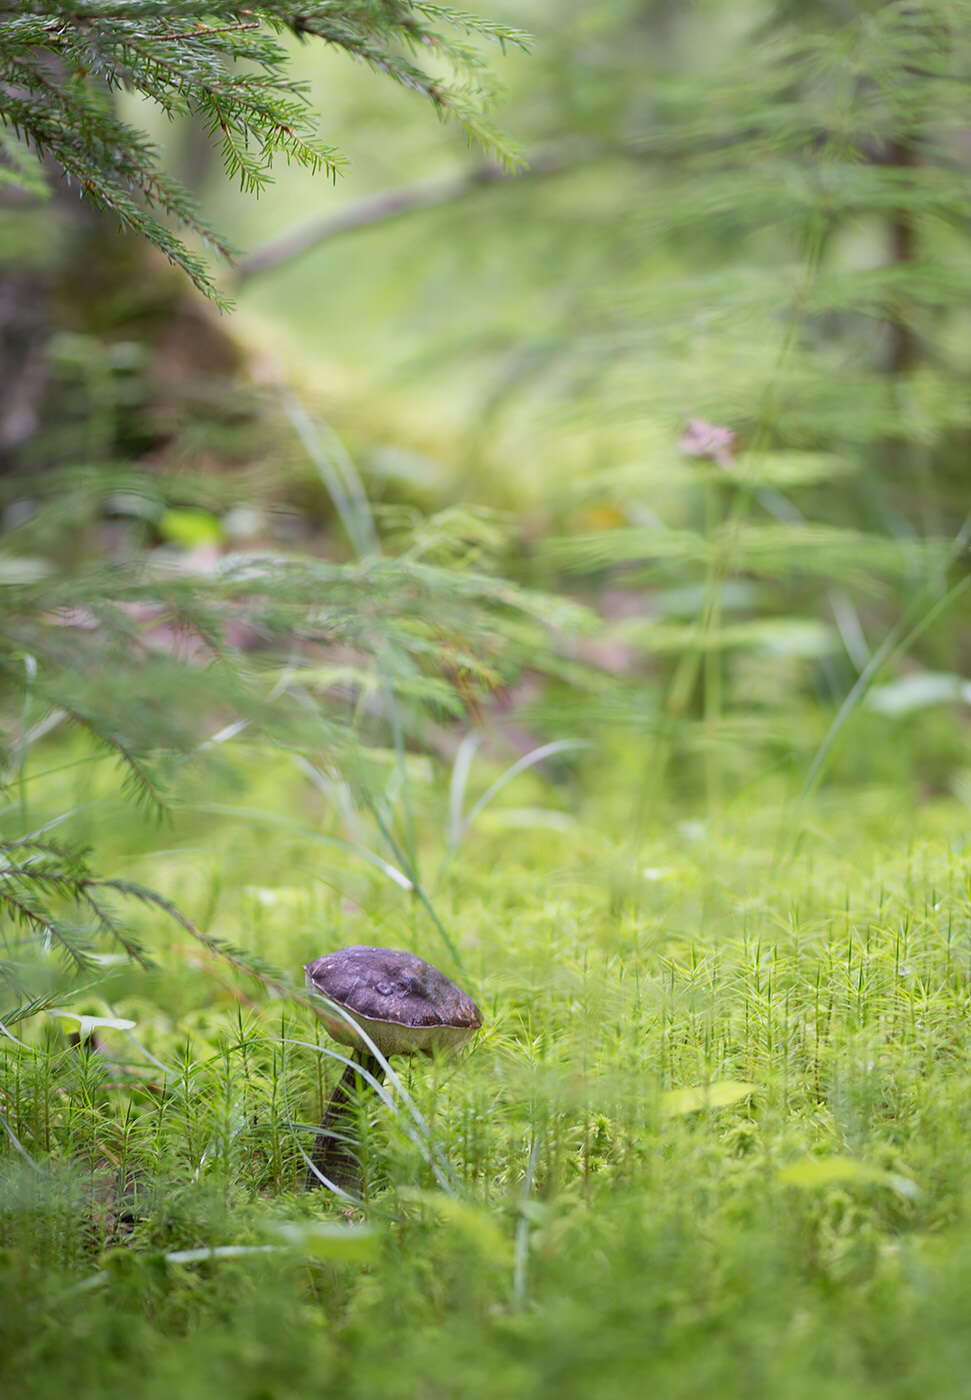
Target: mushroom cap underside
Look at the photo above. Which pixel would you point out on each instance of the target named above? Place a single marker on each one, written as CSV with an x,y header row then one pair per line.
x,y
404,1005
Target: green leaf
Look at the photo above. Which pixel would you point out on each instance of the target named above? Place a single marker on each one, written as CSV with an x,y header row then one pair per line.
x,y
87,1024
191,529
219,1251
677,1102
790,468
477,1226
813,1172
23,568
800,637
918,691
324,1239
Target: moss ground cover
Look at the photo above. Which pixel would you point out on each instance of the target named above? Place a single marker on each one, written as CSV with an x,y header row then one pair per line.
x,y
712,1138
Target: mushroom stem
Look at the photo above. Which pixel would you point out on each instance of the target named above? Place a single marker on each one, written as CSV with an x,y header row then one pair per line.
x,y
333,1155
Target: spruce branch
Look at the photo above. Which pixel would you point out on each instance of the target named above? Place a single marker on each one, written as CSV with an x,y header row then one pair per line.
x,y
62,60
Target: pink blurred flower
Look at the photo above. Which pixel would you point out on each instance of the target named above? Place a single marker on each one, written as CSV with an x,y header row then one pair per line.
x,y
701,439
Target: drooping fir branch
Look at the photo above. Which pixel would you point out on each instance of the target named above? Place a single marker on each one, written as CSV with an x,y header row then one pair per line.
x,y
139,655
61,61
50,890
319,660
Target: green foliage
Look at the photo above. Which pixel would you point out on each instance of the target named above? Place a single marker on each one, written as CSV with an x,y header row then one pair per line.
x,y
39,877
713,1094
758,222
702,862
61,63
171,663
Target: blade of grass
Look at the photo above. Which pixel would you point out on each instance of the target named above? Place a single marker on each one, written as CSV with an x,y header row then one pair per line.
x,y
460,777
896,642
527,761
301,829
521,1257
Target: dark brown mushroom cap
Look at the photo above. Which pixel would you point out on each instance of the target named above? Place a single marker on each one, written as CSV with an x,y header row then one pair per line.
x,y
404,1004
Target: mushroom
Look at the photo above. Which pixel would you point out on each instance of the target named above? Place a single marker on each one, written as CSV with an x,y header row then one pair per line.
x,y
405,1006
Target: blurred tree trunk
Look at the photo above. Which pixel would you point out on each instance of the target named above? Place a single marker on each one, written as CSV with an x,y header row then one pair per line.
x,y
904,348
24,331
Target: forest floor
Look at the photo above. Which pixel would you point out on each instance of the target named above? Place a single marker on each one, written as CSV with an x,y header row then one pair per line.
x,y
712,1138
